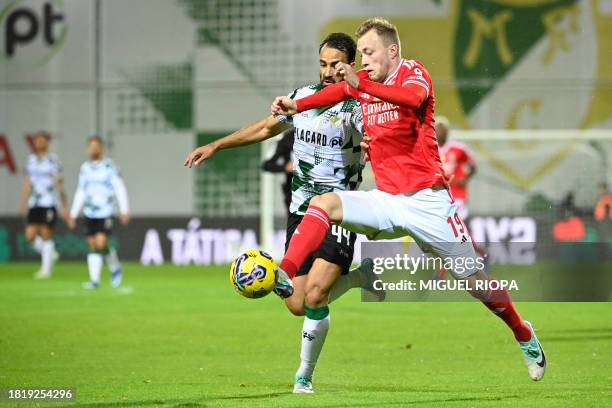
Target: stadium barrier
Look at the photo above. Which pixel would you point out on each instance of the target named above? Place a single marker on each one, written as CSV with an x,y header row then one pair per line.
x,y
214,241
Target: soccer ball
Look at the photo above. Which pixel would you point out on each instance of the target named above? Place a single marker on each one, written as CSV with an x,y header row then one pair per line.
x,y
253,274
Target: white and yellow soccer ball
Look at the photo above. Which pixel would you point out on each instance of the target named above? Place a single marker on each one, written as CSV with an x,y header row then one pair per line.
x,y
253,274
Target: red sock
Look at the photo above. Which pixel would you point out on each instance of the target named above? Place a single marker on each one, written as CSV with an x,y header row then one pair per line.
x,y
502,306
479,250
307,237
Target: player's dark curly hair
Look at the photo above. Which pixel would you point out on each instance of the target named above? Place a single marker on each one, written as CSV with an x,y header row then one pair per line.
x,y
341,42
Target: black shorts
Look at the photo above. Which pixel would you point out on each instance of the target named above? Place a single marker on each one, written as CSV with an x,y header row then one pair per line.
x,y
337,247
94,226
42,215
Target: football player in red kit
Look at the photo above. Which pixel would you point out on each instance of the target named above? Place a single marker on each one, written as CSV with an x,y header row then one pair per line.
x,y
397,101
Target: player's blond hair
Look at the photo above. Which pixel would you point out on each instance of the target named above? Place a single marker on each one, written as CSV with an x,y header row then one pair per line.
x,y
385,30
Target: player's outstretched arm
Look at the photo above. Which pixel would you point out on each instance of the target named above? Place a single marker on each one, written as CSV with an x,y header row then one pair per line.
x,y
253,133
410,96
330,95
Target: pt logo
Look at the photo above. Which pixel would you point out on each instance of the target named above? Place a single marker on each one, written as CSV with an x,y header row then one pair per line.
x,y
35,31
335,142
308,336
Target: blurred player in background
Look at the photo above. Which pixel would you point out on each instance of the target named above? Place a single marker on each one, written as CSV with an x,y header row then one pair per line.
x,y
100,185
42,186
327,155
281,162
397,100
457,163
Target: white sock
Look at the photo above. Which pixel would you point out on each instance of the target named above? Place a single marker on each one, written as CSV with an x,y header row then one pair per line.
x,y
94,263
37,244
353,279
112,260
47,249
313,337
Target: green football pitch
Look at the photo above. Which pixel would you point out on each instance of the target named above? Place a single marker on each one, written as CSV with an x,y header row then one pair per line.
x,y
181,337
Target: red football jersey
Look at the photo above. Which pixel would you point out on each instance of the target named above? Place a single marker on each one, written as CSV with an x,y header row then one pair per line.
x,y
404,149
457,161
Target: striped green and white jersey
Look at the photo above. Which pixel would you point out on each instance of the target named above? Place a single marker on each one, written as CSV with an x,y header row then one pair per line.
x,y
43,172
326,152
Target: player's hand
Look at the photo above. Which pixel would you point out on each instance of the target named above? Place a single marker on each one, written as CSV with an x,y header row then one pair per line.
x,y
283,105
71,222
365,147
199,155
347,73
124,218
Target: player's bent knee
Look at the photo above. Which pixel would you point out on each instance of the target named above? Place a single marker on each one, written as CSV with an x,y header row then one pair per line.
x,y
318,201
296,308
316,296
330,203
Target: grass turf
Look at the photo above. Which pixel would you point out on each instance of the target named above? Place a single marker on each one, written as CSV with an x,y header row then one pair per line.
x,y
180,337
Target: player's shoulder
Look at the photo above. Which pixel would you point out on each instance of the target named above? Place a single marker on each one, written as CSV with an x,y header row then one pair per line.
x,y
31,158
305,90
458,148
412,67
109,163
53,158
456,145
413,63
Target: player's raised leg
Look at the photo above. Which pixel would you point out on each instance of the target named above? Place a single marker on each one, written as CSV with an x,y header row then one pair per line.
x,y
309,234
500,303
431,217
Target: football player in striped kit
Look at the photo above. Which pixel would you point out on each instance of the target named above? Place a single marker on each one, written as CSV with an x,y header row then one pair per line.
x,y
326,157
43,187
100,190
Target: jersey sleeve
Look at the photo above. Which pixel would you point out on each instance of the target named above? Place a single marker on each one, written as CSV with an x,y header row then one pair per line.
x,y
328,96
79,196
119,188
288,119
417,75
57,167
